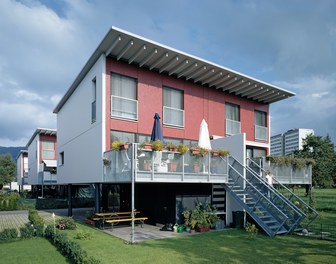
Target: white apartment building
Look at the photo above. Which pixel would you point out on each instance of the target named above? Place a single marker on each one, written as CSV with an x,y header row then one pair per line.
x,y
22,170
288,142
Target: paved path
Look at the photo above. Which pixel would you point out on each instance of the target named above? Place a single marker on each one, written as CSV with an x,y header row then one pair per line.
x,y
17,219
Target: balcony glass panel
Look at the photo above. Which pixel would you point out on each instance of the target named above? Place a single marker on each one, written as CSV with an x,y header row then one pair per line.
x,y
232,127
260,133
124,108
173,116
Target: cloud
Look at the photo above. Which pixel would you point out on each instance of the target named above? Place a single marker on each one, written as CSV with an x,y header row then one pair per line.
x,y
314,106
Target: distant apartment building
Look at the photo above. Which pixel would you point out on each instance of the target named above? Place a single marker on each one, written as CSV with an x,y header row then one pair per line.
x,y
42,161
288,142
22,170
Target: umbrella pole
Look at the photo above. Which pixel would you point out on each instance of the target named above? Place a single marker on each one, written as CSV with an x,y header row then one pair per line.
x,y
132,175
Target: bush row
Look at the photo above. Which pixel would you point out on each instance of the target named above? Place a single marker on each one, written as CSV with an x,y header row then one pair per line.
x,y
68,248
9,202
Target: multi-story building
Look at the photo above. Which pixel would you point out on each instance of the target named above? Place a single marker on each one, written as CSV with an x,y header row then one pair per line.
x,y
288,142
22,170
115,96
42,161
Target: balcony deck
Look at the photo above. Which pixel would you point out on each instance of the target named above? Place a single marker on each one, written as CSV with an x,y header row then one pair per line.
x,y
165,166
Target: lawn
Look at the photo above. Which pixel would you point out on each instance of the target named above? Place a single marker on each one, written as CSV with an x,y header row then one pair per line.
x,y
34,251
227,246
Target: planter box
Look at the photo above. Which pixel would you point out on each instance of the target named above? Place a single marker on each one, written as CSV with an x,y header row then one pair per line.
x,y
90,222
203,229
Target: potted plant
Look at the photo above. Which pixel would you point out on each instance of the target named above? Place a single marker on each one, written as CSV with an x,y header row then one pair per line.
x,y
147,165
172,147
117,145
187,220
157,145
146,145
182,148
199,151
220,152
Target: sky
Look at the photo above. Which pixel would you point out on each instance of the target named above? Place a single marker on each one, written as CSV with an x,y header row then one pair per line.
x,y
289,43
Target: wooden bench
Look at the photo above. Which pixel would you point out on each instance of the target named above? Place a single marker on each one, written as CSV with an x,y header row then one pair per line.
x,y
116,221
114,218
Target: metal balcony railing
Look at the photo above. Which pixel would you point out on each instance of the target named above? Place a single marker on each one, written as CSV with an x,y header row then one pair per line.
x,y
163,166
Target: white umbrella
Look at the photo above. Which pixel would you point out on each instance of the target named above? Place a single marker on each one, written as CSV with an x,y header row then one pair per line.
x,y
204,139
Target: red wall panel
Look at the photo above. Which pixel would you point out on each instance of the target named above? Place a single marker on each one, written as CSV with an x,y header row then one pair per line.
x,y
199,102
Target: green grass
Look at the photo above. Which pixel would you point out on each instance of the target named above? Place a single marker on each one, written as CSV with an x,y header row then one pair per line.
x,y
228,246
31,251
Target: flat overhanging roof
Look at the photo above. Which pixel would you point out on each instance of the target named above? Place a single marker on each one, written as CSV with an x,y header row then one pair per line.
x,y
134,49
42,131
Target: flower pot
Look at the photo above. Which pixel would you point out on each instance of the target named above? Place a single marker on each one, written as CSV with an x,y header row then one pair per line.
x,y
146,166
172,166
188,229
215,153
196,168
123,146
203,229
90,222
147,146
195,151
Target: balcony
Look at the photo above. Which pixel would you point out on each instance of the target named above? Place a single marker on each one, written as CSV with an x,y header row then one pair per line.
x,y
288,174
165,166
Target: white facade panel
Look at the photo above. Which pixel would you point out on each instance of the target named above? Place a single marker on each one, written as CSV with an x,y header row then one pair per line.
x,y
80,140
33,154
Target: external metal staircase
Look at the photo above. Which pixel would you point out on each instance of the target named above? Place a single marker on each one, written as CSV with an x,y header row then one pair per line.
x,y
271,210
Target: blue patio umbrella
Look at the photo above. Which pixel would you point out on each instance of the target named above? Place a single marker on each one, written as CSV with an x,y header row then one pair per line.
x,y
157,131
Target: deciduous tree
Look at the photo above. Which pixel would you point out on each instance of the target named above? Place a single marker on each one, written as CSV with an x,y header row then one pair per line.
x,y
7,169
322,150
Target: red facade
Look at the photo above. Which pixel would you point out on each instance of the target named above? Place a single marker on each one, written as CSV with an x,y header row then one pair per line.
x,y
199,102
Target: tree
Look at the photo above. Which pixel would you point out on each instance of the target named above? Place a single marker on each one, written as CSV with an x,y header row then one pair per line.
x,y
322,150
7,169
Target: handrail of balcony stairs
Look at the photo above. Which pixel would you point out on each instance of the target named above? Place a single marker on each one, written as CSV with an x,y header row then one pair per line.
x,y
277,194
261,195
312,211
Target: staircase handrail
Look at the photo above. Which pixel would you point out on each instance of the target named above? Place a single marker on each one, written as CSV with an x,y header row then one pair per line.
x,y
292,194
270,202
274,191
283,198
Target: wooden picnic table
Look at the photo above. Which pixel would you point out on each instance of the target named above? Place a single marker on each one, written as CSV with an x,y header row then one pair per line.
x,y
114,218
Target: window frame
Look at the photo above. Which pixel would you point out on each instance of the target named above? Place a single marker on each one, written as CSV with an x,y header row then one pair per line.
x,y
166,108
118,97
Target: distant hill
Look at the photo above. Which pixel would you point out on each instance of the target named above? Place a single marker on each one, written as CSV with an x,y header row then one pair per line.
x,y
14,151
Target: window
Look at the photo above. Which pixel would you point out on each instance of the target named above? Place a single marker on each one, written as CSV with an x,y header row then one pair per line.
x,y
124,102
48,150
62,158
173,107
93,104
232,115
260,125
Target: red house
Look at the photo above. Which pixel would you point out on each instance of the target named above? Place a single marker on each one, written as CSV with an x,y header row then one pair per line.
x,y
114,98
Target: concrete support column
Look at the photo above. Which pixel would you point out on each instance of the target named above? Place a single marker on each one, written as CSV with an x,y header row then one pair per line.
x,y
97,197
69,200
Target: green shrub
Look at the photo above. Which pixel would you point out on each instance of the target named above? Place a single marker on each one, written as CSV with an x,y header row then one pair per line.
x,y
251,230
66,223
27,231
9,202
8,234
68,248
83,235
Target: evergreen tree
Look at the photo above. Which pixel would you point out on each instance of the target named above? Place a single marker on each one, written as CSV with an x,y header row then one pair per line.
x,y
322,150
7,169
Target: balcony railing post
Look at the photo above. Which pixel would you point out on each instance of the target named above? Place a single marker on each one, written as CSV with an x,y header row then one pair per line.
x,y
209,164
182,167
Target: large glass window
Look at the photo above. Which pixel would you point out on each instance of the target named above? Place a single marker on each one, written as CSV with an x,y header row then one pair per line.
x,y
173,107
232,115
48,150
124,102
260,124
